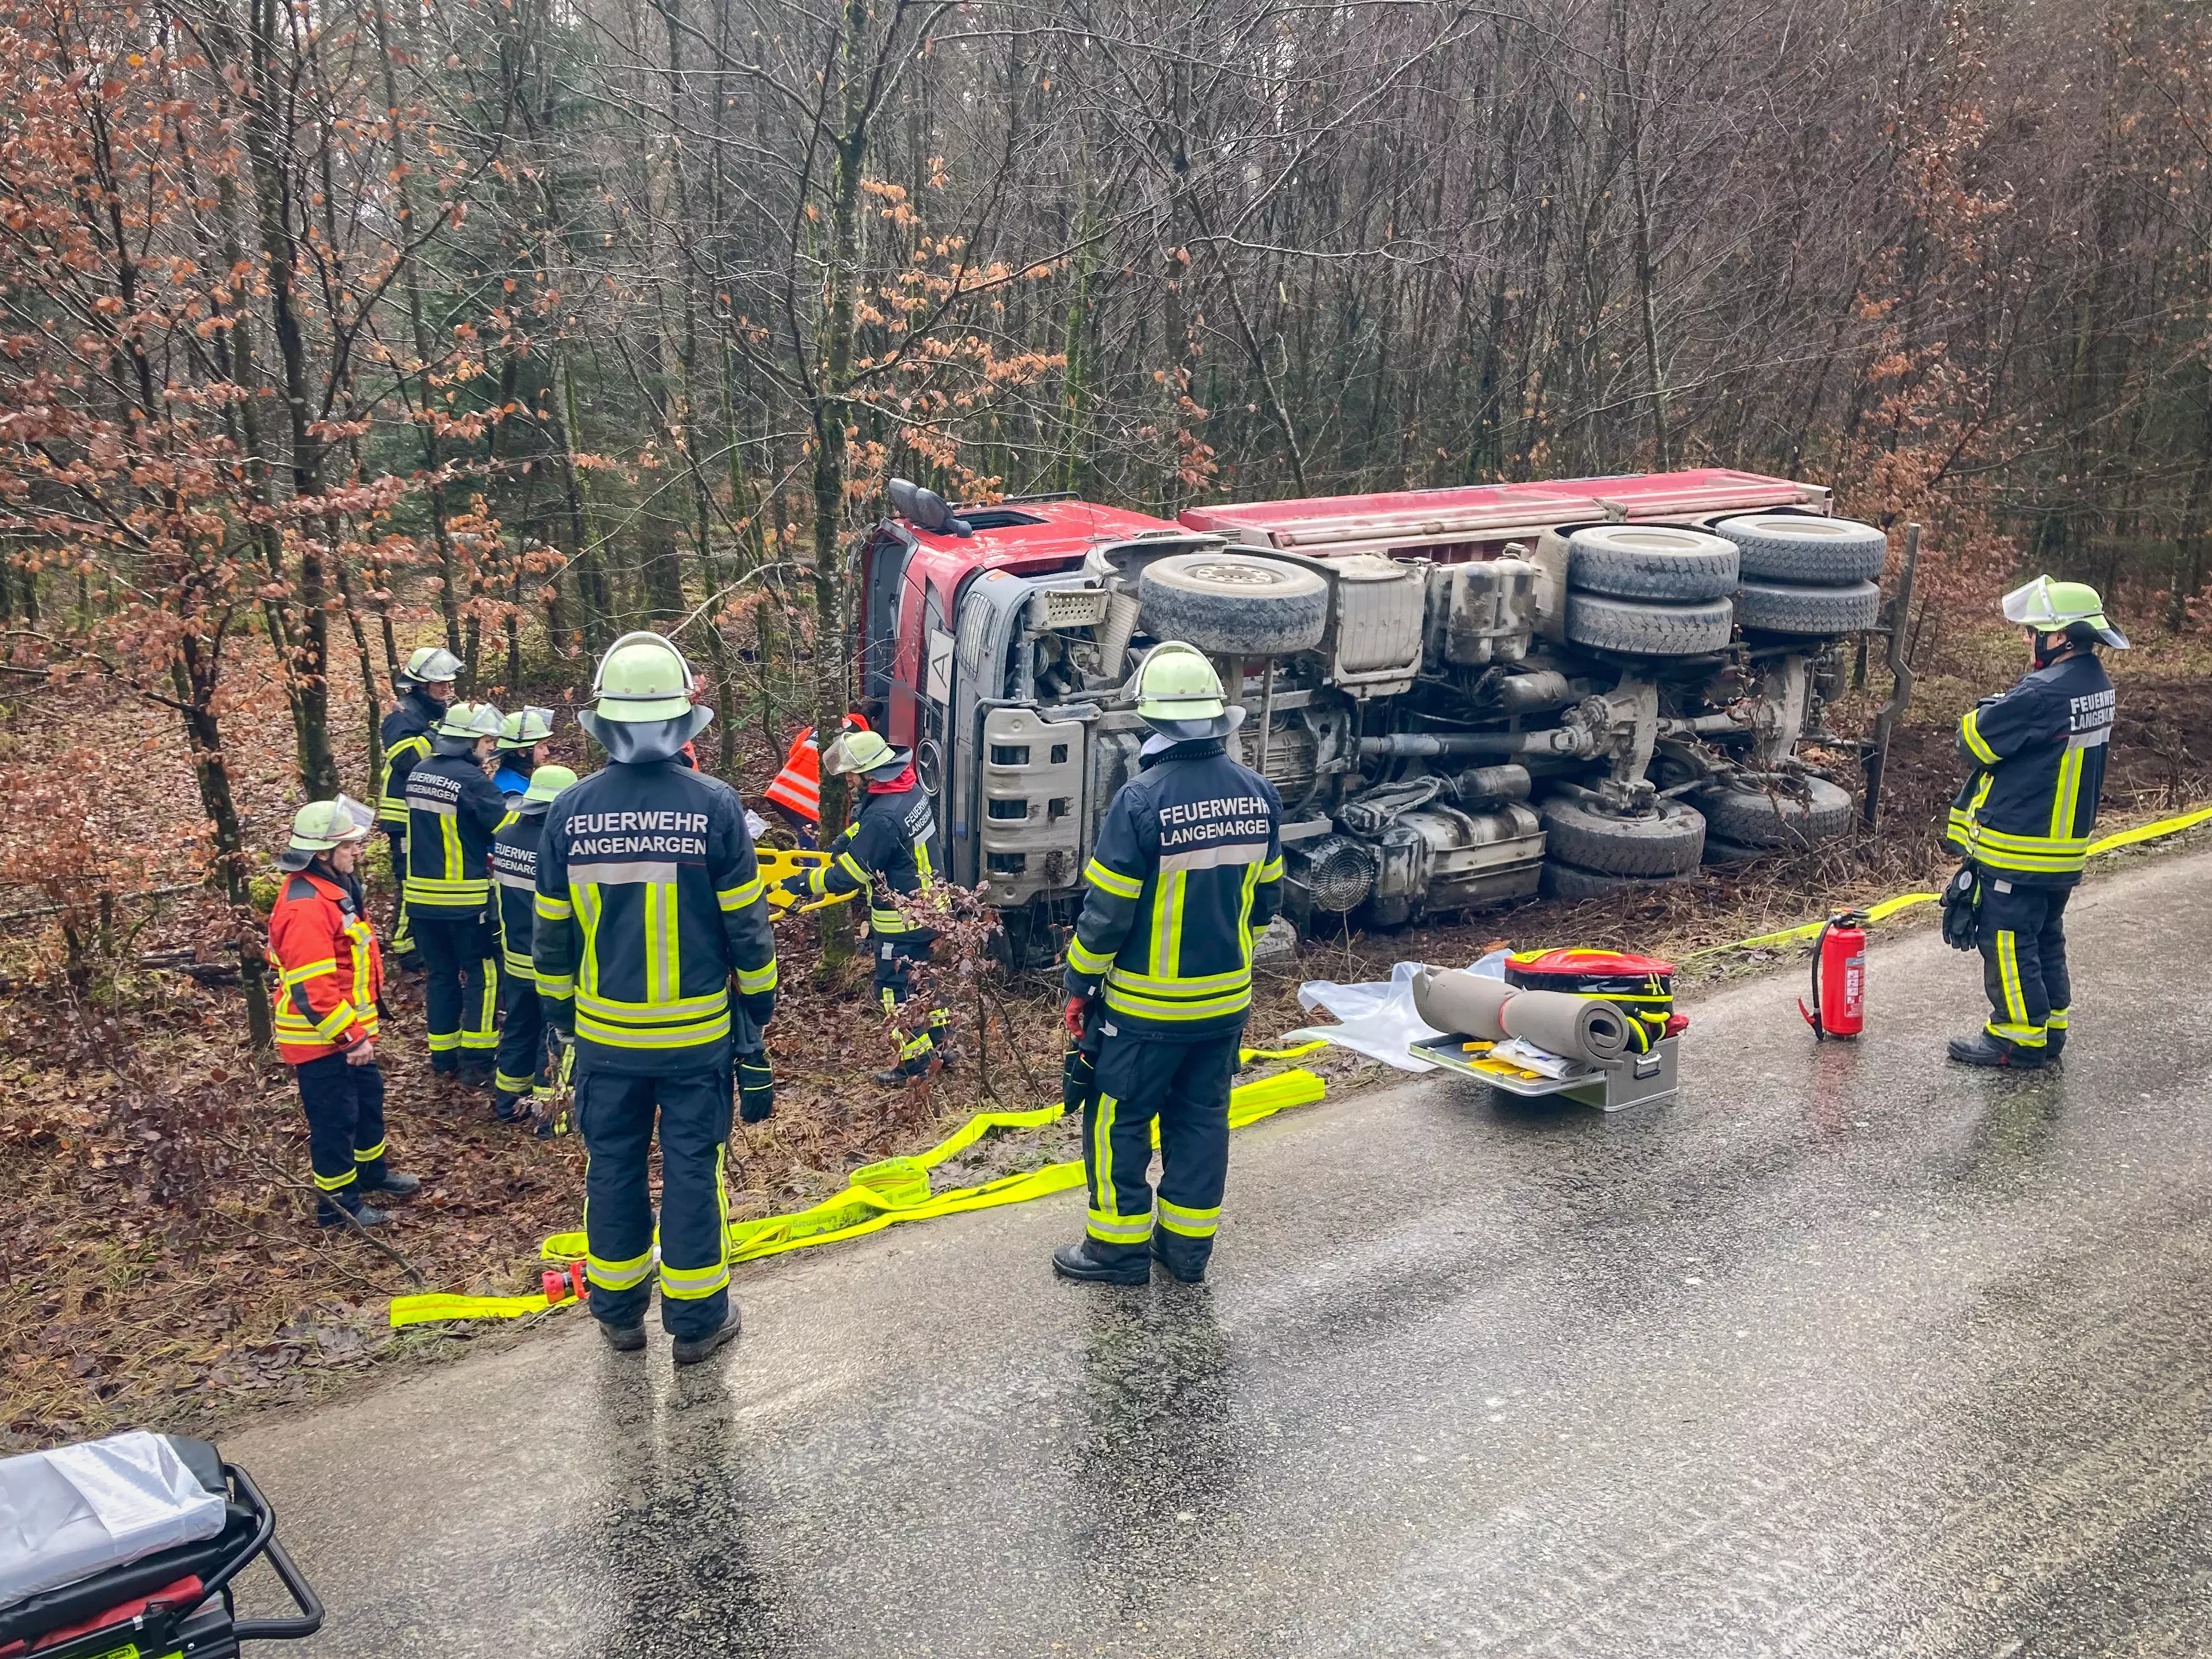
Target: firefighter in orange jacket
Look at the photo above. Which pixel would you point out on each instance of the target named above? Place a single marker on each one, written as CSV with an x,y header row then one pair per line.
x,y
795,792
329,977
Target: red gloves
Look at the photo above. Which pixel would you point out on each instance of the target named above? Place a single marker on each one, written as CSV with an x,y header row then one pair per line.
x,y
1071,1016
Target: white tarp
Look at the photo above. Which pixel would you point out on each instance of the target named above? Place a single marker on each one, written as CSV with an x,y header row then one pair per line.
x,y
77,1510
1377,1019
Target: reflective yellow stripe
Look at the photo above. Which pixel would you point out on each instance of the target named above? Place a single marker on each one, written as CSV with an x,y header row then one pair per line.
x,y
1102,1154
2025,1036
2008,976
587,917
1084,960
753,980
618,1275
1244,915
1271,871
2067,796
676,1007
442,1040
333,1024
552,910
562,990
624,1036
508,1084
1209,984
300,975
1147,1008
1113,881
1190,1222
1109,1228
521,966
853,867
922,865
334,1183
1972,732
737,898
2057,1021
368,1154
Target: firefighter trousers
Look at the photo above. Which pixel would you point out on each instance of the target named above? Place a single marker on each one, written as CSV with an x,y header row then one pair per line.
x,y
403,949
895,960
2021,931
522,1066
1185,1086
345,1131
616,1114
461,995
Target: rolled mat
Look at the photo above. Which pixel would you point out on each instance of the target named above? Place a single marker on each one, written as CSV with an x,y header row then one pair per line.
x,y
1452,999
1586,1028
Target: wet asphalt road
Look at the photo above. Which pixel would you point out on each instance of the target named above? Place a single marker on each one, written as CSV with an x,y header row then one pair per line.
x,y
1844,1351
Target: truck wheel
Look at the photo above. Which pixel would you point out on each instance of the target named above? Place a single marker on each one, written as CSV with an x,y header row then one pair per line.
x,y
1786,816
1571,882
1792,547
1665,844
1718,852
1650,561
1634,629
1233,605
1786,610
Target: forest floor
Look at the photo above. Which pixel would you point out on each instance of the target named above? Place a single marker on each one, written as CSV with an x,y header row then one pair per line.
x,y
158,1258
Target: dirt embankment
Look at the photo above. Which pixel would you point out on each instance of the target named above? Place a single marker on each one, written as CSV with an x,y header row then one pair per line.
x,y
156,1246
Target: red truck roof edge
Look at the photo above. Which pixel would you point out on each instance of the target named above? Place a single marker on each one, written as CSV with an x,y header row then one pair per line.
x,y
1487,511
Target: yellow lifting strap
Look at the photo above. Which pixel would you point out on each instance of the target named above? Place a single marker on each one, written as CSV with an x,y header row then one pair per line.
x,y
775,864
878,1195
1889,907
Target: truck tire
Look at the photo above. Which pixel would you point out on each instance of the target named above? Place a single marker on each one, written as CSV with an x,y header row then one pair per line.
x,y
1786,816
1718,852
1665,844
1233,605
1786,610
1570,883
1650,561
1633,629
1794,547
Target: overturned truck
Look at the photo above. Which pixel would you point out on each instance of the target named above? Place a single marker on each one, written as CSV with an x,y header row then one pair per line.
x,y
1465,696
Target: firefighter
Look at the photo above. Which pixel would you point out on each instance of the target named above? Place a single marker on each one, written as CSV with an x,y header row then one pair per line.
x,y
424,687
452,811
2024,818
1188,869
889,839
524,744
649,903
329,977
795,793
522,1066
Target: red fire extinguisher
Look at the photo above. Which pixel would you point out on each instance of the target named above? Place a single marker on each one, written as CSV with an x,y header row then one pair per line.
x,y
1838,978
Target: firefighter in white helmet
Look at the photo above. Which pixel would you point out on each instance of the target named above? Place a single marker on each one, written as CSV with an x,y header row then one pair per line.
x,y
650,907
1189,867
423,687
2024,818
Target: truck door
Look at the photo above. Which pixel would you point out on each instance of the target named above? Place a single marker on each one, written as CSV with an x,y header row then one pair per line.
x,y
884,575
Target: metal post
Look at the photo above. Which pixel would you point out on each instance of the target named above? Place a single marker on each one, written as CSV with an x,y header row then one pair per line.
x,y
1876,751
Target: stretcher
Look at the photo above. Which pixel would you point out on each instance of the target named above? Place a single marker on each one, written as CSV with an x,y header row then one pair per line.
x,y
1634,1080
174,1603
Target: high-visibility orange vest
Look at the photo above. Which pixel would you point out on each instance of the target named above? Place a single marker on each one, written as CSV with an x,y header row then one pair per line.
x,y
798,787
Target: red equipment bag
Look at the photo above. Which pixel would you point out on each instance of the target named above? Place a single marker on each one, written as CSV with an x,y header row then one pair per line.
x,y
1642,985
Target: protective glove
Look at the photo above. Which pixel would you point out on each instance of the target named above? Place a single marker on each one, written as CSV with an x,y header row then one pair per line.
x,y
1962,898
759,1007
1071,1016
756,1089
796,884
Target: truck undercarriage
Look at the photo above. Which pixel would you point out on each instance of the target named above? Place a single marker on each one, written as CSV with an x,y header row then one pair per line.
x,y
1464,696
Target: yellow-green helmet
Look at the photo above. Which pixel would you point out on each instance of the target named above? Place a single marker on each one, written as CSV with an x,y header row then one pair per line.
x,y
642,707
2072,608
464,722
865,752
525,728
321,824
1179,694
431,665
547,781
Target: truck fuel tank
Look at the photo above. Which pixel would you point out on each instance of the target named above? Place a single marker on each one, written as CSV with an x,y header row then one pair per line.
x,y
1443,859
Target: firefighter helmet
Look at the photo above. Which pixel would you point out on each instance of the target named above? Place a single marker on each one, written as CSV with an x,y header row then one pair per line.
x,y
1179,694
547,781
643,710
431,665
525,728
469,721
2069,607
866,751
321,824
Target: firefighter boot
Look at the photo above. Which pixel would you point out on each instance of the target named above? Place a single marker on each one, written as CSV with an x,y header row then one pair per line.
x,y
1983,1049
1075,1262
507,1107
1181,1266
690,1351
395,1183
333,1211
622,1338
